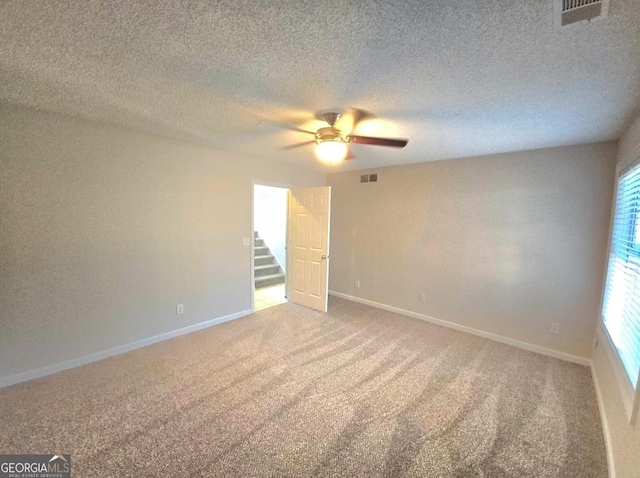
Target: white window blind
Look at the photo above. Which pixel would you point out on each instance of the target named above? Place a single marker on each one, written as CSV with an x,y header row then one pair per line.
x,y
621,311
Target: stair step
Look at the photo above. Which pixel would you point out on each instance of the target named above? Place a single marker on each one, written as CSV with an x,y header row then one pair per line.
x,y
260,251
265,270
257,242
255,234
272,279
262,260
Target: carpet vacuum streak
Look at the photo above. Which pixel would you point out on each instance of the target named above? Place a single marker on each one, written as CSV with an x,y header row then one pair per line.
x,y
290,392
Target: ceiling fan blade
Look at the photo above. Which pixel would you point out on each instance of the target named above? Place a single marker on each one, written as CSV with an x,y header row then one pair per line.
x,y
394,143
297,145
289,127
350,118
349,155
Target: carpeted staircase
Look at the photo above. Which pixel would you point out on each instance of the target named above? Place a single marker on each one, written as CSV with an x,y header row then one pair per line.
x,y
267,271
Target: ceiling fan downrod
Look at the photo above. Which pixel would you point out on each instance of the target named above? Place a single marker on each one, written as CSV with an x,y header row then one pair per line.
x,y
331,118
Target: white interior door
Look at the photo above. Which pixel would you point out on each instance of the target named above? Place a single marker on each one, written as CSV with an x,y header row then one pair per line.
x,y
308,247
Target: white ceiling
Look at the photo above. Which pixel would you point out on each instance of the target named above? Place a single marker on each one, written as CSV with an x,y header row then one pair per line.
x,y
457,77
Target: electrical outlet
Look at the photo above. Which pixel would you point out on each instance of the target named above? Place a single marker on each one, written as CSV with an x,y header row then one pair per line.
x,y
179,309
555,328
422,297
357,283
246,241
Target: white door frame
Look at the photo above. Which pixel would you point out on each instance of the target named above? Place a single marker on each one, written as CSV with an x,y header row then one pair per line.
x,y
254,183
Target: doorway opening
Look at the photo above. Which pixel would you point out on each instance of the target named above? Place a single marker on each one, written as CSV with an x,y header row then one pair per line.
x,y
269,249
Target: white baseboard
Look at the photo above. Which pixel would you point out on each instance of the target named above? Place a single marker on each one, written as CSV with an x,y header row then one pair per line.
x,y
67,364
605,424
463,328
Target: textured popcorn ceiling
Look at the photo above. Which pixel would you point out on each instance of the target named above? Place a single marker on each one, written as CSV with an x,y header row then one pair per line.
x,y
456,77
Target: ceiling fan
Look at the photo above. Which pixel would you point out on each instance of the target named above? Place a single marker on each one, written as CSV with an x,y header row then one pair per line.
x,y
331,141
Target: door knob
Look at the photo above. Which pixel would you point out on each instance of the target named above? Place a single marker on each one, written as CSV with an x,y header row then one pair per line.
x,y
324,257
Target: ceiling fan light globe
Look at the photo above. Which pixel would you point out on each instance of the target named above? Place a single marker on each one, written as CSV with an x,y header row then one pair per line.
x,y
331,152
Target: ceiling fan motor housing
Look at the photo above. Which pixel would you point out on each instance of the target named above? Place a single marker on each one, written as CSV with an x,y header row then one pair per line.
x,y
329,134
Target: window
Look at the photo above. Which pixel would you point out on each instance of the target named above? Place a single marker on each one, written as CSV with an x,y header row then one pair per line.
x,y
621,308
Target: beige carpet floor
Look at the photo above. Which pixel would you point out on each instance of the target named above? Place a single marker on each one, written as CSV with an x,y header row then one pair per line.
x,y
356,392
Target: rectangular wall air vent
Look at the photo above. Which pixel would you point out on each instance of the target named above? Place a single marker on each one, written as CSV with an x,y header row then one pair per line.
x,y
567,12
369,178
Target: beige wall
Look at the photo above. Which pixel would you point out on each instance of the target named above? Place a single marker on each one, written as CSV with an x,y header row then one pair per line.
x,y
506,244
623,438
629,148
104,231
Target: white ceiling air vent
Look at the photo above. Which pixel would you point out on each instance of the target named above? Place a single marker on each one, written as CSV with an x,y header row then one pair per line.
x,y
567,12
